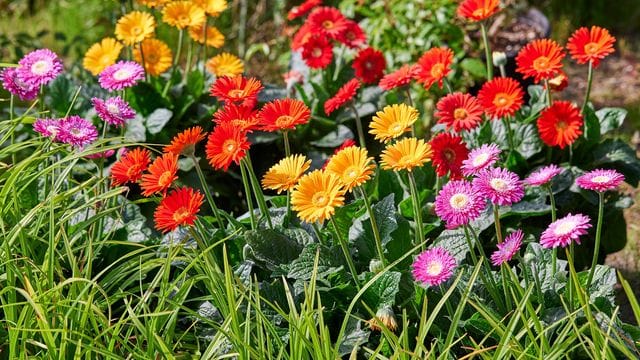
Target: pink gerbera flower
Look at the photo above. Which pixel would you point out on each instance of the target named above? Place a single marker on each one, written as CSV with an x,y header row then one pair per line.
x,y
102,154
543,175
114,111
434,266
562,232
600,180
501,186
77,131
508,248
13,84
458,204
121,75
47,127
39,67
480,158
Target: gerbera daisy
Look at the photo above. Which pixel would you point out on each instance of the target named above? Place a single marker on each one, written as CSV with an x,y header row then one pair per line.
x,y
393,121
215,38
433,267
185,142
459,111
434,66
157,56
284,175
400,77
327,22
76,131
292,77
501,186
152,3
237,89
134,27
212,7
480,158
162,173
114,111
600,180
477,10
508,248
369,65
543,175
560,124
353,36
564,231
449,151
226,144
301,37
316,196
317,52
130,166
540,59
283,114
101,154
501,97
346,93
560,82
590,45
47,127
39,67
183,14
225,64
405,154
101,54
458,203
178,208
244,117
121,75
12,83
302,9
352,166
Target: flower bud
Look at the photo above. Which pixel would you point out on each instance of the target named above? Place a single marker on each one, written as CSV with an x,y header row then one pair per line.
x,y
499,58
529,258
375,266
385,316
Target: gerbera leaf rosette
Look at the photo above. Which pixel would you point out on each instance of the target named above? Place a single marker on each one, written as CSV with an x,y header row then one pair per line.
x,y
316,196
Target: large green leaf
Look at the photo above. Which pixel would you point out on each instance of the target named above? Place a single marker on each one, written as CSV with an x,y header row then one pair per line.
x,y
383,291
610,119
158,119
272,247
618,154
334,138
329,262
591,126
538,267
455,242
361,232
527,140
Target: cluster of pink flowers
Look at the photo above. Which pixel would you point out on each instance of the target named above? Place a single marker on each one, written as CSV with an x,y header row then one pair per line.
x,y
36,69
72,130
114,111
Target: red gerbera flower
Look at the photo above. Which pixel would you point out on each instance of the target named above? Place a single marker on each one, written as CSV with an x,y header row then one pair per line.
x,y
501,97
130,166
301,37
317,52
400,77
243,117
283,114
302,9
477,10
560,124
433,66
449,151
559,82
327,21
237,89
459,111
185,142
178,208
346,93
369,65
590,45
162,173
540,59
226,144
353,36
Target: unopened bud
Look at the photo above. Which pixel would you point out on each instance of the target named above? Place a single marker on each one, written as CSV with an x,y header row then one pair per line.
x,y
384,316
375,266
529,258
499,58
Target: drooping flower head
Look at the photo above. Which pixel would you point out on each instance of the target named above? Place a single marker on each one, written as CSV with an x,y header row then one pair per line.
x,y
369,65
39,67
501,186
101,54
316,196
227,143
564,231
600,180
76,131
178,208
590,45
508,248
353,36
393,121
345,94
185,142
434,66
13,84
560,124
543,175
478,10
433,267
101,154
284,175
215,38
243,117
480,158
212,7
560,82
328,22
237,89
121,75
459,111
302,9
501,97
114,111
352,166
540,59
157,56
458,203
449,151
398,78
405,154
317,52
161,174
283,114
47,127
183,14
225,64
130,167
134,27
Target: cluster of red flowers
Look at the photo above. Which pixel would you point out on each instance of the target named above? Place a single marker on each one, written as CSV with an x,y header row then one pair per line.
x,y
432,67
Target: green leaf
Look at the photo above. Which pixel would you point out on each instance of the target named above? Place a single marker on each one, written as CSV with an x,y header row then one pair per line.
x,y
354,337
383,291
619,154
610,119
158,119
538,264
195,83
136,132
329,262
145,99
603,283
272,247
527,140
537,99
344,215
361,232
334,138
475,67
591,126
455,242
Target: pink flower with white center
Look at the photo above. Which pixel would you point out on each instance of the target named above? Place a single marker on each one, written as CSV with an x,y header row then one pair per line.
x,y
543,175
39,67
13,84
433,267
501,186
508,248
562,232
114,111
47,127
121,75
458,204
77,131
480,158
600,180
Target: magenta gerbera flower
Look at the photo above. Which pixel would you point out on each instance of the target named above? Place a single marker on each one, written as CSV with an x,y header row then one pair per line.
x,y
121,75
114,111
13,84
563,231
39,67
600,180
508,248
77,131
434,266
480,158
458,204
501,186
47,127
543,175
102,154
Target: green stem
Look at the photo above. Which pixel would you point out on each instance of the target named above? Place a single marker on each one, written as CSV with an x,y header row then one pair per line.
x,y
554,254
503,71
507,124
569,253
203,48
361,137
287,146
13,136
339,61
416,209
503,277
447,85
487,51
596,250
187,67
257,190
347,254
176,59
144,66
547,92
207,192
496,218
589,81
470,244
247,192
374,226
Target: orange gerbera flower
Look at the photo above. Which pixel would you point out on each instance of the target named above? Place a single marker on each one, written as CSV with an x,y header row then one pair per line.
x,y
540,59
183,14
501,97
214,37
162,173
240,116
237,89
178,208
560,124
185,142
477,10
459,111
400,77
226,144
130,166
433,66
590,45
346,93
283,114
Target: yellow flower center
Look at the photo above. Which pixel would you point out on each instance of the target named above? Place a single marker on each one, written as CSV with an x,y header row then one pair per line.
x,y
478,12
105,60
501,100
236,93
320,199
180,215
437,70
600,179
284,121
165,179
480,159
591,48
350,174
459,201
327,24
561,125
229,146
136,30
151,58
498,184
317,52
564,228
459,114
183,19
396,128
40,67
541,63
121,74
434,268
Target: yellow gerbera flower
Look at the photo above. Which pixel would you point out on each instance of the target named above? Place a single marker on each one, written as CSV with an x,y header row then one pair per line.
x,y
316,196
392,121
157,56
183,14
225,64
101,54
352,166
215,38
152,3
406,154
134,27
284,175
212,7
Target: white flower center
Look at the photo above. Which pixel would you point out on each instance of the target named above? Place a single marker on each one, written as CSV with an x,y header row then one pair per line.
x,y
434,268
113,109
122,74
459,201
600,179
498,184
564,227
480,159
40,67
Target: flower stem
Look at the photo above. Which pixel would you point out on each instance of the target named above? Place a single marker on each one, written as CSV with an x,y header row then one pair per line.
x,y
339,61
207,192
257,190
13,136
503,276
144,66
589,81
416,209
596,250
187,67
507,124
569,253
496,221
247,192
287,146
554,255
547,92
447,85
347,254
176,59
204,44
361,137
487,51
374,226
